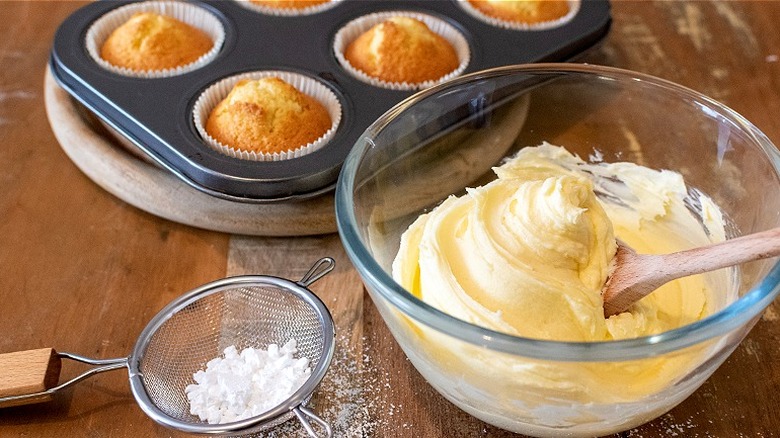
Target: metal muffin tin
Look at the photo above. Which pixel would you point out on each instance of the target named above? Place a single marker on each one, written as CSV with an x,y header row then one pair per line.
x,y
156,114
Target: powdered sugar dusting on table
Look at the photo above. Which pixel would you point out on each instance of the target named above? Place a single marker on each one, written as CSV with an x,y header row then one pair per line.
x,y
350,398
242,385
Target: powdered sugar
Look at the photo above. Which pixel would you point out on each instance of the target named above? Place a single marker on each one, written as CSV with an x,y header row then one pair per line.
x,y
354,397
246,384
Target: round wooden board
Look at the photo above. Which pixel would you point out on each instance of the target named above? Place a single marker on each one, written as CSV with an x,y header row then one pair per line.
x,y
155,190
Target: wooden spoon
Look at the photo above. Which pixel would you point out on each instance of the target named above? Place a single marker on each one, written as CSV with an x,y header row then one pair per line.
x,y
635,276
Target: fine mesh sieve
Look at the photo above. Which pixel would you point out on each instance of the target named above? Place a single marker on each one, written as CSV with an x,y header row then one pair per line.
x,y
244,311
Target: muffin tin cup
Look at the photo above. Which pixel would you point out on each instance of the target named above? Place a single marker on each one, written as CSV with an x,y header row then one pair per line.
x,y
188,13
288,12
215,93
360,25
574,7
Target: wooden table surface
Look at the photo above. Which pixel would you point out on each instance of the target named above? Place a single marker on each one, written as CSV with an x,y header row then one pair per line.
x,y
83,272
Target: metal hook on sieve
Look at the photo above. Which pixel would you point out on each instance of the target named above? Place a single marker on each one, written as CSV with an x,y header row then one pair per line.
x,y
321,268
301,412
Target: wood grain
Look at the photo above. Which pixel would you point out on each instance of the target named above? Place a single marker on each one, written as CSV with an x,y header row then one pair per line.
x,y
84,271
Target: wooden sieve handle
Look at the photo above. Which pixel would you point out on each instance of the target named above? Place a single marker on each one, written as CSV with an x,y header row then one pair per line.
x,y
28,372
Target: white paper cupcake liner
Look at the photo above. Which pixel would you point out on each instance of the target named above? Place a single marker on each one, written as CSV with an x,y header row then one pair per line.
x,y
358,26
215,93
288,12
188,13
574,8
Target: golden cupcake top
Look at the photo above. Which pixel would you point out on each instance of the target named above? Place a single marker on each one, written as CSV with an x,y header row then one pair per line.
x,y
150,41
267,115
523,11
289,4
402,49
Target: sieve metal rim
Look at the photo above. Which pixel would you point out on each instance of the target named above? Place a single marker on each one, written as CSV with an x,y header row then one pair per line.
x,y
297,399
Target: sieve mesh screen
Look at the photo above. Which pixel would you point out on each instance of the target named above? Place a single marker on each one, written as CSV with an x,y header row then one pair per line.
x,y
244,316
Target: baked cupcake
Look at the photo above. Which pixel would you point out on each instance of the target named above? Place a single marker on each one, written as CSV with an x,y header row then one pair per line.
x,y
289,4
523,11
267,116
402,49
155,39
149,41
523,14
288,8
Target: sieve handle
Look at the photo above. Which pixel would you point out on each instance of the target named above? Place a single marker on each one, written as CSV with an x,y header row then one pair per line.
x,y
319,270
28,377
302,413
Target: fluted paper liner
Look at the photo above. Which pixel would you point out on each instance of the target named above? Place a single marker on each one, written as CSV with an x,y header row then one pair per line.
x,y
360,25
188,13
288,12
215,93
574,7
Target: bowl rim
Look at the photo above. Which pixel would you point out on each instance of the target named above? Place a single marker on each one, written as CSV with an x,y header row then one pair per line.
x,y
733,316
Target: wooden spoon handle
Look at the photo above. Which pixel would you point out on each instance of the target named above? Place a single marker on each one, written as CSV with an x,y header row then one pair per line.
x,y
637,275
731,252
28,372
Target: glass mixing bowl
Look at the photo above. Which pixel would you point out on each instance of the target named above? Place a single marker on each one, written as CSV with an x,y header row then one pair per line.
x,y
448,137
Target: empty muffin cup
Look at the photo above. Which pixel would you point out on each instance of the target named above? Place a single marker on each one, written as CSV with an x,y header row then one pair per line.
x,y
214,94
352,30
190,14
506,23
